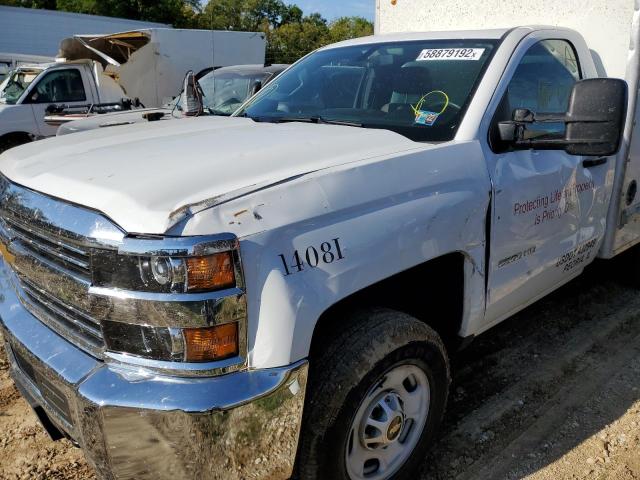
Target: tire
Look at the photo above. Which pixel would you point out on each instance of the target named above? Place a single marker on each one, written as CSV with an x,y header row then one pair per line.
x,y
351,377
626,267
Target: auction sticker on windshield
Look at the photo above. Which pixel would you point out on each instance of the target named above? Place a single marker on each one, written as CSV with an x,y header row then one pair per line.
x,y
431,54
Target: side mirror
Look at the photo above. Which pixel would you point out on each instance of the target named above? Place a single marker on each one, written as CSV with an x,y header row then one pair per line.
x,y
54,109
596,117
594,121
191,96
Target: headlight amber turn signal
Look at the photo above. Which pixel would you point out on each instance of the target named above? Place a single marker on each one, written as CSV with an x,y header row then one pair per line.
x,y
211,343
213,272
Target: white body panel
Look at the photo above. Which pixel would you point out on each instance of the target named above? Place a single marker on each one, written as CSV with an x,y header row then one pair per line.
x,y
17,118
606,26
392,203
390,212
612,32
530,247
122,157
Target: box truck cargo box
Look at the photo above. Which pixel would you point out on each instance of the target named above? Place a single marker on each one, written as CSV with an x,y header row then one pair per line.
x,y
612,32
151,64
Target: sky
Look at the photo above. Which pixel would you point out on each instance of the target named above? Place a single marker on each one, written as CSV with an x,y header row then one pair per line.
x,y
331,9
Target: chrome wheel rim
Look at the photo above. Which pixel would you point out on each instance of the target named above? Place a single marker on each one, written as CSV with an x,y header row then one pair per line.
x,y
388,424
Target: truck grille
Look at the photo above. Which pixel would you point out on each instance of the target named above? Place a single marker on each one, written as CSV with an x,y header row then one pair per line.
x,y
56,250
61,317
48,244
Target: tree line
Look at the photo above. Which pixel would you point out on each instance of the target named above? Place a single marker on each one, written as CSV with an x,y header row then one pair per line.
x,y
290,33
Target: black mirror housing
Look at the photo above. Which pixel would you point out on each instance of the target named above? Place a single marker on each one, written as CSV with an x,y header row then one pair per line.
x,y
594,121
596,117
508,131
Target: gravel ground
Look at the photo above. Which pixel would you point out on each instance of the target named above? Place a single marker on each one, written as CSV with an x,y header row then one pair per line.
x,y
551,394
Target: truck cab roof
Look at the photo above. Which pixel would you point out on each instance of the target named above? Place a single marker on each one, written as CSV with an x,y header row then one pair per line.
x,y
485,34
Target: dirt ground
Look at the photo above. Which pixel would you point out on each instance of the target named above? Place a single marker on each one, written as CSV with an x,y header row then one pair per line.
x,y
551,394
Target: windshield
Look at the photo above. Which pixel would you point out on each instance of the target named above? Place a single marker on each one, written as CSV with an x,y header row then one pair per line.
x,y
419,89
16,83
224,92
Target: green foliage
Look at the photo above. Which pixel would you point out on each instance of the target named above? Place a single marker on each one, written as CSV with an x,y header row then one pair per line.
x,y
293,40
249,15
346,28
289,32
46,4
178,13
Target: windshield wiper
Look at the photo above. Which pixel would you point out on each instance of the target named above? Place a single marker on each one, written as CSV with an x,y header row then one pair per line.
x,y
314,119
346,123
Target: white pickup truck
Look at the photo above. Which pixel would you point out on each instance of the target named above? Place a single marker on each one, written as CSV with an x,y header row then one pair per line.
x,y
279,292
29,90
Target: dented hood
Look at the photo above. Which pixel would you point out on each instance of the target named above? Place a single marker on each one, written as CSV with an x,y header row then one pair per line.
x,y
145,176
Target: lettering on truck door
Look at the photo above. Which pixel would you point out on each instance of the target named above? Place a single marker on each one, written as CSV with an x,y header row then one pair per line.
x,y
548,210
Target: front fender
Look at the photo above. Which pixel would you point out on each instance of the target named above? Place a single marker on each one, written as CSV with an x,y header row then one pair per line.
x,y
17,118
387,214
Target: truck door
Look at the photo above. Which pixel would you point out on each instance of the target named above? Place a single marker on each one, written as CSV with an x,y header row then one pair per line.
x,y
549,208
60,86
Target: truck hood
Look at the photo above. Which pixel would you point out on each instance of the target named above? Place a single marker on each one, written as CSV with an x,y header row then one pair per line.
x,y
145,176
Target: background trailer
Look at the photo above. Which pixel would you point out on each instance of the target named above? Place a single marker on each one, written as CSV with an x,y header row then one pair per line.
x,y
150,64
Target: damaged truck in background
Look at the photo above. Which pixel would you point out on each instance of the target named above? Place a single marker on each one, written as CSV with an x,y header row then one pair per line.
x,y
279,292
113,72
221,91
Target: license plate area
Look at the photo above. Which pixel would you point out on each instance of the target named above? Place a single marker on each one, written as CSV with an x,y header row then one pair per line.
x,y
53,398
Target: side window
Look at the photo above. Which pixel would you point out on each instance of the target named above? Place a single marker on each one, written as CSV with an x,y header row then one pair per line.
x,y
541,83
59,86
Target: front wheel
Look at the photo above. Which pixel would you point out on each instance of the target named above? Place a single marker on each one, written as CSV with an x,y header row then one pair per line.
x,y
376,398
13,140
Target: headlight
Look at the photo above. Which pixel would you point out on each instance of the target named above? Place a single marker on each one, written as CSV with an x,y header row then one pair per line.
x,y
164,274
204,344
177,299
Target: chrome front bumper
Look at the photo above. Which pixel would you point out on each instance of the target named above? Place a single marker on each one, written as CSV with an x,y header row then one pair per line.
x,y
136,425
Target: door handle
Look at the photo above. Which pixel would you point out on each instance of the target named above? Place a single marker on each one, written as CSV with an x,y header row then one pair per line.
x,y
594,162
